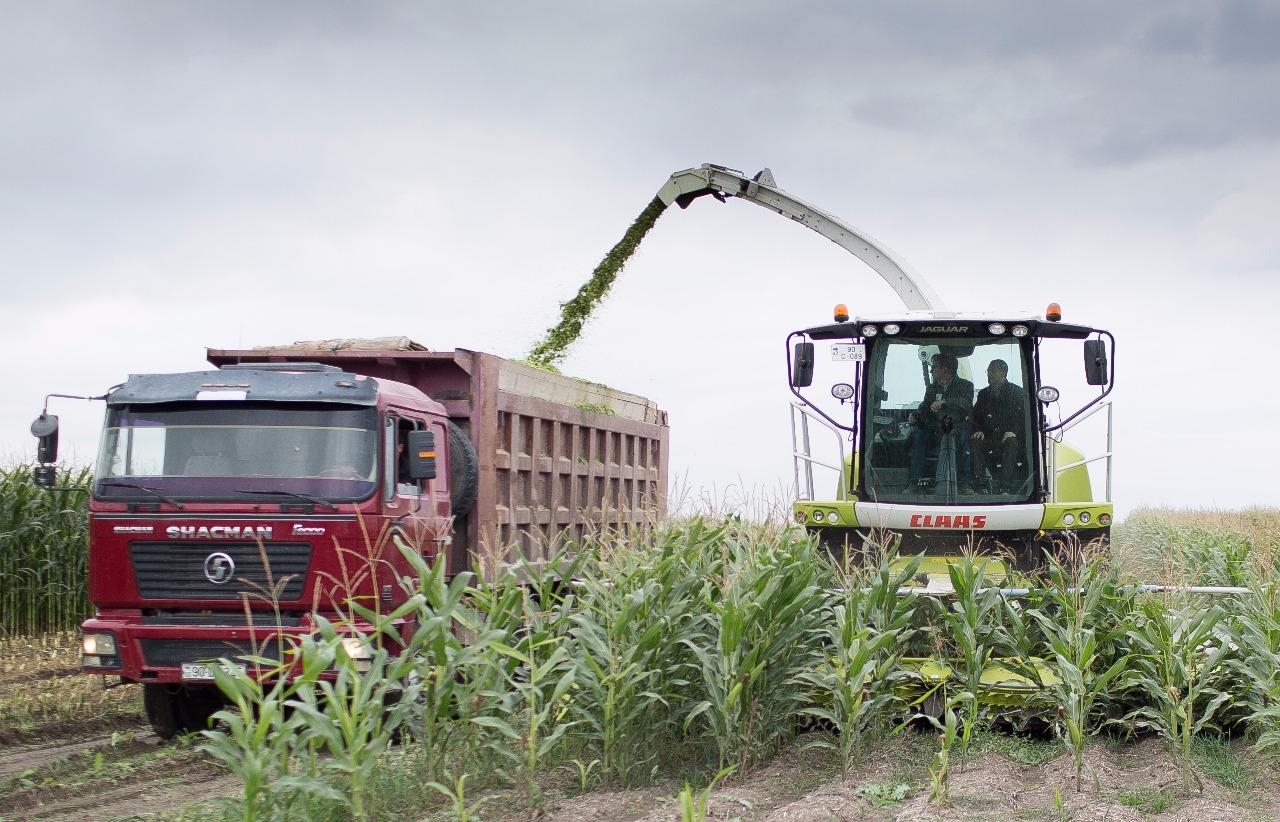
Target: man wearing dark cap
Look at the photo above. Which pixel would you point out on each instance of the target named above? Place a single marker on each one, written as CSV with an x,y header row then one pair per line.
x,y
946,408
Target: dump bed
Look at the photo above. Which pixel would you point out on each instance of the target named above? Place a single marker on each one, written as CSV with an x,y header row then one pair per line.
x,y
557,456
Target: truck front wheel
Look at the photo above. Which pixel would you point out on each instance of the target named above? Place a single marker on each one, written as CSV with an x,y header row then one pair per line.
x,y
172,710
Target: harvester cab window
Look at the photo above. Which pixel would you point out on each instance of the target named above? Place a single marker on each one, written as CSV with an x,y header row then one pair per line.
x,y
947,421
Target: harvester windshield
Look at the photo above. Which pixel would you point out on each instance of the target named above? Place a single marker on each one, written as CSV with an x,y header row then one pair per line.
x,y
945,421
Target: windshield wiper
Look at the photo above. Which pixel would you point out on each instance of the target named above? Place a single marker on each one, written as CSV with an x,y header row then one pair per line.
x,y
295,494
152,491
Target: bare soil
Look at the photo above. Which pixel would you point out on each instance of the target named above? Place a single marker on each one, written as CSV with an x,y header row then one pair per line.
x,y
136,775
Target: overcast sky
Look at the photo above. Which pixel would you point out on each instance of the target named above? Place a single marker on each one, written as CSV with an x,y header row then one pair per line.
x,y
176,176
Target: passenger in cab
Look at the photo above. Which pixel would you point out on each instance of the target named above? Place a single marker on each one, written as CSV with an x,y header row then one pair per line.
x,y
999,430
942,420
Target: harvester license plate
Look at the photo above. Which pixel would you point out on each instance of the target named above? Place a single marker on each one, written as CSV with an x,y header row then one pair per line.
x,y
199,670
848,352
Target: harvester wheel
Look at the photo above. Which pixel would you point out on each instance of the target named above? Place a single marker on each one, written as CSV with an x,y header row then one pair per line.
x,y
464,471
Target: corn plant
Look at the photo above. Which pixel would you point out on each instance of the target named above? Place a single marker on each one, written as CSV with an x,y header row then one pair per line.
x,y
860,633
940,767
261,740
630,609
1082,617
1177,668
529,673
43,539
973,621
1258,665
759,613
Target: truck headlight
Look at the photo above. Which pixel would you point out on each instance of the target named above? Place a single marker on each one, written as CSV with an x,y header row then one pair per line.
x,y
99,651
359,651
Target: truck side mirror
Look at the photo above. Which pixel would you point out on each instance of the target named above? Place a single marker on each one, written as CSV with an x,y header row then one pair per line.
x,y
421,447
1095,362
45,430
802,365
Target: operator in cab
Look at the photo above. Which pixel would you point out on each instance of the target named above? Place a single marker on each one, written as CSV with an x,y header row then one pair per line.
x,y
999,431
944,413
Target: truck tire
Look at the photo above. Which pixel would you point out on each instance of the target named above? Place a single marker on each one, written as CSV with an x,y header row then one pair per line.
x,y
161,710
172,710
464,472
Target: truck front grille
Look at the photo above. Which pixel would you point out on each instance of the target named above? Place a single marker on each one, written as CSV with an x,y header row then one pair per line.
x,y
170,653
177,570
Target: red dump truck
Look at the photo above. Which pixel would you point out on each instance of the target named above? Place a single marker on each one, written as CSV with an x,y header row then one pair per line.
x,y
305,468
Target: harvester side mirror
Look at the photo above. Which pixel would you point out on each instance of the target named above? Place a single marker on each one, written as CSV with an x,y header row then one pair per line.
x,y
45,430
421,447
802,365
1095,362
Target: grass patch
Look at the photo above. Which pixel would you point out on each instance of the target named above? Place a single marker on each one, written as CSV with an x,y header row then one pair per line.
x,y
1216,760
1026,752
46,695
1147,800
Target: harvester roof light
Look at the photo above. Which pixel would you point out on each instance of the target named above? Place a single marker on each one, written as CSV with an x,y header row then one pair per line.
x,y
1048,394
842,391
892,328
1053,313
841,313
1019,331
996,328
869,331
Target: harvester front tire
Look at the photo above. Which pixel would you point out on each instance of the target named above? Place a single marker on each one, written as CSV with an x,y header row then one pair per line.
x,y
464,472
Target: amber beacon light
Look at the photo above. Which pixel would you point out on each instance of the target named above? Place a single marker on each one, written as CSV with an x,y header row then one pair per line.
x,y
841,313
1053,313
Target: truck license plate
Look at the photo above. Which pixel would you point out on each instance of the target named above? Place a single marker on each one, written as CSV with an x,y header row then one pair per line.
x,y
200,670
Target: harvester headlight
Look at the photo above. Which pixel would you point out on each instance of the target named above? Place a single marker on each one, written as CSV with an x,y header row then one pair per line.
x,y
1104,519
892,328
1084,517
1068,519
1047,394
817,516
833,517
996,328
869,331
1019,331
842,391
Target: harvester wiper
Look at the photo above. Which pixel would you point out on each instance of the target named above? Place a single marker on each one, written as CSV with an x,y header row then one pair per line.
x,y
152,491
294,494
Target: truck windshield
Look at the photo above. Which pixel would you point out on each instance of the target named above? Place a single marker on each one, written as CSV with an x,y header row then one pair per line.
x,y
238,450
948,421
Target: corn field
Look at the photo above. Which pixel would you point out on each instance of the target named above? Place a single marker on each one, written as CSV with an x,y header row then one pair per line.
x,y
43,538
707,650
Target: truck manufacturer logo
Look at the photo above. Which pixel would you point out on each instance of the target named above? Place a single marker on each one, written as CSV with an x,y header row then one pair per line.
x,y
304,531
943,329
132,529
219,568
218,532
948,521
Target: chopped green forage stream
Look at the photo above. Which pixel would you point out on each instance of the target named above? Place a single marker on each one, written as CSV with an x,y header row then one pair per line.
x,y
554,346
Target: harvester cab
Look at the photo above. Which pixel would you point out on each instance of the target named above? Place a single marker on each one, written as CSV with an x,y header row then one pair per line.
x,y
946,430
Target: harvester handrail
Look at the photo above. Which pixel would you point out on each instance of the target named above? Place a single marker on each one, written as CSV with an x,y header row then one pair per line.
x,y
1141,588
799,456
1105,455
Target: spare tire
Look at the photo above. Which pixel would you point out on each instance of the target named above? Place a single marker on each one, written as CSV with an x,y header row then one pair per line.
x,y
464,471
